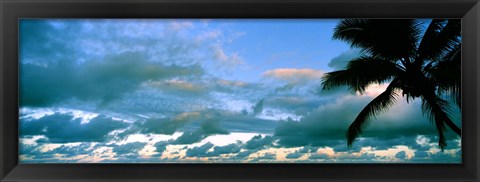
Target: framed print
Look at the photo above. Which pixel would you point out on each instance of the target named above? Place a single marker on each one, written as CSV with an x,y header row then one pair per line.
x,y
239,91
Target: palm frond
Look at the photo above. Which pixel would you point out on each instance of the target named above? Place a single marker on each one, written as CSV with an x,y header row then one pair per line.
x,y
440,37
381,103
447,75
436,110
360,73
426,44
392,39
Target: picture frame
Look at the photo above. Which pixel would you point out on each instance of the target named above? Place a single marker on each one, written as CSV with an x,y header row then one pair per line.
x,y
11,11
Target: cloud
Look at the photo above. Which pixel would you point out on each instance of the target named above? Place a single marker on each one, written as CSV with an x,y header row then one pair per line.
x,y
295,104
244,154
339,62
294,76
227,149
81,59
235,151
438,157
200,151
224,60
168,125
258,107
154,75
160,126
62,128
401,155
301,152
102,81
199,125
319,156
207,128
128,150
266,157
294,155
421,154
161,146
33,36
189,137
55,153
259,142
328,124
323,126
178,87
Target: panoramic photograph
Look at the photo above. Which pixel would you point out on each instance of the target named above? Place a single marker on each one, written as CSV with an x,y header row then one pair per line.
x,y
240,91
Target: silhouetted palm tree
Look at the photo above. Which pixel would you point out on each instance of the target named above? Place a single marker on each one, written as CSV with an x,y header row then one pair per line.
x,y
420,64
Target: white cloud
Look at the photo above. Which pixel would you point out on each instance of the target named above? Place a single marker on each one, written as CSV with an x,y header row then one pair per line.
x,y
374,90
150,138
294,76
226,61
222,140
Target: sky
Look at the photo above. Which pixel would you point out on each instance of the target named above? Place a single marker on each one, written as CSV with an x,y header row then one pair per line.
x,y
204,91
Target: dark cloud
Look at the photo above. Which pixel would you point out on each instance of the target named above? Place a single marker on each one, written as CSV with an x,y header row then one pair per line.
x,y
439,157
160,126
204,150
258,107
195,136
212,126
421,154
208,127
259,142
190,137
377,143
246,123
96,81
299,105
195,126
242,150
319,156
227,149
65,151
363,158
244,154
128,148
70,59
327,125
161,146
200,151
328,122
40,44
62,128
294,155
401,155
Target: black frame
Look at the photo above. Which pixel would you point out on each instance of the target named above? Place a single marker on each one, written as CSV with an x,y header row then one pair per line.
x,y
12,10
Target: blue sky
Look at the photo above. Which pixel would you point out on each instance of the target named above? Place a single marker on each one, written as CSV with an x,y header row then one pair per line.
x,y
210,90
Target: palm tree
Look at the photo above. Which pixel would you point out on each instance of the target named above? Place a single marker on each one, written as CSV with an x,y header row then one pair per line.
x,y
418,64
